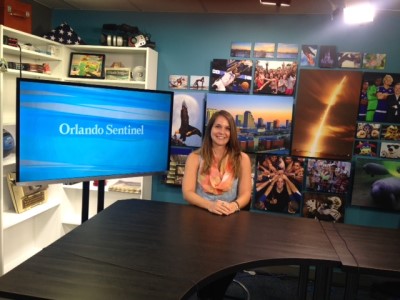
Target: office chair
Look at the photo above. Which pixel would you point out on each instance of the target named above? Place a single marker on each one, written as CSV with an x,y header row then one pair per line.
x,y
243,287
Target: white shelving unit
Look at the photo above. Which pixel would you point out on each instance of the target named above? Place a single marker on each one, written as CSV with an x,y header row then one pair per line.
x,y
72,209
129,57
23,235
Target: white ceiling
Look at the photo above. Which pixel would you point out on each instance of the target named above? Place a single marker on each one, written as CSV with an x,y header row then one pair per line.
x,y
210,6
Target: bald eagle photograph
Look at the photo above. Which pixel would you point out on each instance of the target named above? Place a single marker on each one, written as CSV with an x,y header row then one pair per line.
x,y
187,119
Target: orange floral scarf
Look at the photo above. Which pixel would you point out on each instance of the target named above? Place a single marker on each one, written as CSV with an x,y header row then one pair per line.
x,y
217,181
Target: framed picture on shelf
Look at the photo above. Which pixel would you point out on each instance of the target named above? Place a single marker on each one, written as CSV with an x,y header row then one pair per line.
x,y
86,65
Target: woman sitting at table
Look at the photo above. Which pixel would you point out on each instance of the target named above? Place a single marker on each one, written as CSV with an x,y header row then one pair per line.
x,y
218,178
218,175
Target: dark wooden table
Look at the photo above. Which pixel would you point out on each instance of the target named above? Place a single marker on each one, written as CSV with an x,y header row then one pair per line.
x,y
365,250
137,249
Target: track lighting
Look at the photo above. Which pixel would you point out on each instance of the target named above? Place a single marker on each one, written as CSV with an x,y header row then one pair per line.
x,y
276,2
357,13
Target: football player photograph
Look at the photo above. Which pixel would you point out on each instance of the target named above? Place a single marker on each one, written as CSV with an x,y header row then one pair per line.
x,y
393,105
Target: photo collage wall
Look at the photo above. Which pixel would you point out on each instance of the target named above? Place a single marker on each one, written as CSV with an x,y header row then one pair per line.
x,y
311,119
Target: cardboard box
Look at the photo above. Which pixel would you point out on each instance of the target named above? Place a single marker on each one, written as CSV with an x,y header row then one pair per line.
x,y
16,14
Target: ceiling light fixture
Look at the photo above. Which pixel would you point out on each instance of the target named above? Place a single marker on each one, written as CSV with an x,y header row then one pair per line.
x,y
359,13
276,2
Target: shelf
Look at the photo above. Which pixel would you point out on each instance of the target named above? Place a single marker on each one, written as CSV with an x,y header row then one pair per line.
x,y
11,218
78,186
74,220
29,54
108,82
108,49
26,37
31,74
9,159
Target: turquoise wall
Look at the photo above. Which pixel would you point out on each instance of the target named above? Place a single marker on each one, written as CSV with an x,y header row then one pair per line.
x,y
188,42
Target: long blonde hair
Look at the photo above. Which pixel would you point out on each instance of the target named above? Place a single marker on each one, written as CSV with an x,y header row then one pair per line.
x,y
232,148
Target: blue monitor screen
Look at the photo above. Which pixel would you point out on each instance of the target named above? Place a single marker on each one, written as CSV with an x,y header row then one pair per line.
x,y
77,132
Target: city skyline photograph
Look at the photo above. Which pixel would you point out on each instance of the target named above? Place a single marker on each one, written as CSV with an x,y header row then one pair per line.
x,y
269,108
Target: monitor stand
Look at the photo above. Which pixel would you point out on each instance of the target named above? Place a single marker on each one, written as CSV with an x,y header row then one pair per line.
x,y
85,198
85,201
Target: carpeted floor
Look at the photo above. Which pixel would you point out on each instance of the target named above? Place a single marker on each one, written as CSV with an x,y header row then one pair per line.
x,y
266,285
275,286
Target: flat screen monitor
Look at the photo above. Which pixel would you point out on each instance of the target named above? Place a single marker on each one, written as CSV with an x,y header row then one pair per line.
x,y
71,132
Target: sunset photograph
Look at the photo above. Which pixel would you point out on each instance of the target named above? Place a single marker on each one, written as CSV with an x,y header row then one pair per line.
x,y
326,113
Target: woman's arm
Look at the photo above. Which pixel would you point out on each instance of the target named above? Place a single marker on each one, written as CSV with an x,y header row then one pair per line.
x,y
245,182
189,182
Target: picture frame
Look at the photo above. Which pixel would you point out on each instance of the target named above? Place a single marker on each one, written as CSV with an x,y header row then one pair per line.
x,y
187,127
324,207
352,60
372,174
327,57
265,123
328,176
178,82
374,61
308,55
240,49
271,171
331,137
231,75
264,50
287,51
117,73
86,65
176,170
275,77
